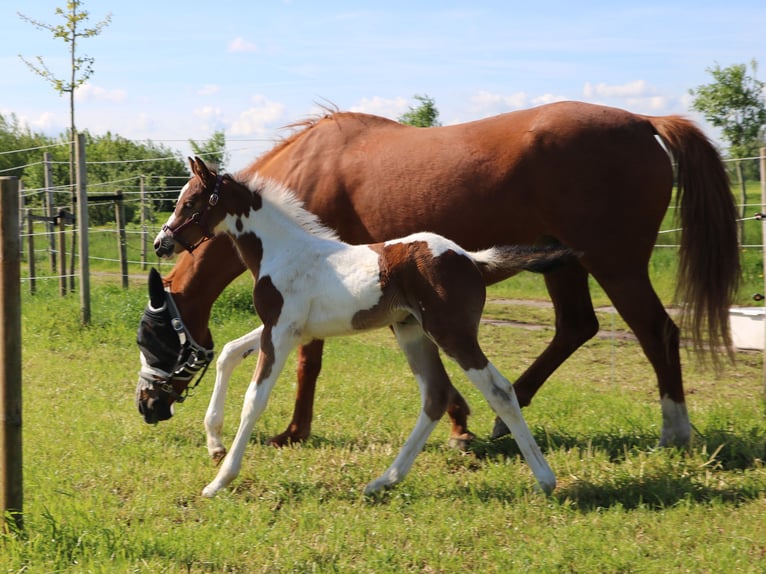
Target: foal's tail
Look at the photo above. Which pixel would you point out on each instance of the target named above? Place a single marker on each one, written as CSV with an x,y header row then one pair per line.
x,y
498,263
709,269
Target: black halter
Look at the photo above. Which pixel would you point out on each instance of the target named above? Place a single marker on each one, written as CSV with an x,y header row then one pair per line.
x,y
192,358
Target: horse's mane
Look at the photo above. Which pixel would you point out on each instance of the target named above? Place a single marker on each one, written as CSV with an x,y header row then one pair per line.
x,y
284,200
299,127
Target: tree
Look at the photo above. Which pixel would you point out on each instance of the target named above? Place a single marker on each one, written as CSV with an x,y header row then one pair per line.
x,y
735,103
423,116
81,67
213,151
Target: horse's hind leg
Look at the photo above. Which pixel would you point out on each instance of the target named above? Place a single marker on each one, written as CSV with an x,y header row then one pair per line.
x,y
634,297
576,323
434,394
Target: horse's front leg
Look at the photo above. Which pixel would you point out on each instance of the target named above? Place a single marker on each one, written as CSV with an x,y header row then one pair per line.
x,y
271,361
232,354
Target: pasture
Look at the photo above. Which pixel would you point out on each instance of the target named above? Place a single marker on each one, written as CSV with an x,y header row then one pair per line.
x,y
107,493
104,492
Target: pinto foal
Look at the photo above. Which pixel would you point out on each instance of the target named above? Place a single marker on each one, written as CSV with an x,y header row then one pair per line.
x,y
309,285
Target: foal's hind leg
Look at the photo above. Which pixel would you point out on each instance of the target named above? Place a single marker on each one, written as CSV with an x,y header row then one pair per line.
x,y
419,350
576,323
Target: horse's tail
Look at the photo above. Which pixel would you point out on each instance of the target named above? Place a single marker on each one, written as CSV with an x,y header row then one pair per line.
x,y
498,263
709,268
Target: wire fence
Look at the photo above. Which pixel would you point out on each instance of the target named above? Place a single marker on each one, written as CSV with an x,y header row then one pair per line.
x,y
124,249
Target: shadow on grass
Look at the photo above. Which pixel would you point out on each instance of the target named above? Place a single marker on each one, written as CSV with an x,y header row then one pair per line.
x,y
710,471
728,449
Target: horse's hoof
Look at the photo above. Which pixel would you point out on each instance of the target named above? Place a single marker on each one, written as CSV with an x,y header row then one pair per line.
x,y
500,429
285,439
462,441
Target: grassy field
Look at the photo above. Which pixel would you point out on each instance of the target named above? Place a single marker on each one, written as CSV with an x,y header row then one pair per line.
x,y
107,493
104,492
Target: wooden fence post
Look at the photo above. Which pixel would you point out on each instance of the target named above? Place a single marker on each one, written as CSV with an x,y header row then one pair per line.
x,y
50,210
31,244
12,502
119,216
62,217
144,208
763,240
82,225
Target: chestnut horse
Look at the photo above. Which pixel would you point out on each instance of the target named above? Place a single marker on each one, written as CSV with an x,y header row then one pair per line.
x,y
310,285
594,178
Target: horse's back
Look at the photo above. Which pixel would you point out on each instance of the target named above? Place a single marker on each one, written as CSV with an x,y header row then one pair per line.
x,y
551,171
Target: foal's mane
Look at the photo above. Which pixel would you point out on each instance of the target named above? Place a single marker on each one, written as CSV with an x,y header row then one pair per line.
x,y
283,199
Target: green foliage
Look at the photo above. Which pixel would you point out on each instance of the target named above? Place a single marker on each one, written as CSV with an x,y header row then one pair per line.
x,y
213,151
424,115
70,31
734,102
113,162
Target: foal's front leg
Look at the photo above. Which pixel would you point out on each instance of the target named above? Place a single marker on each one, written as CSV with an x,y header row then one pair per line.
x,y
271,361
232,354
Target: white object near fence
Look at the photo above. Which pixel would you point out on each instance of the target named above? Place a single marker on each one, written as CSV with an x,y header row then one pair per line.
x,y
747,327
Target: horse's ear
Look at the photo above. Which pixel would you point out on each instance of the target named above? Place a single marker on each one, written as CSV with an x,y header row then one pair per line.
x,y
156,289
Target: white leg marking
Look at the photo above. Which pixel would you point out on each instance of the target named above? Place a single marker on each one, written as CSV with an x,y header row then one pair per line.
x,y
256,398
406,457
502,398
676,428
231,355
410,337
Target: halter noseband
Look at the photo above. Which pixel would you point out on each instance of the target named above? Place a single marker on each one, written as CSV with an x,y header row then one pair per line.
x,y
197,218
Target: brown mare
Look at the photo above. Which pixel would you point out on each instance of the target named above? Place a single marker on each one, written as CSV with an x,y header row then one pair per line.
x,y
593,178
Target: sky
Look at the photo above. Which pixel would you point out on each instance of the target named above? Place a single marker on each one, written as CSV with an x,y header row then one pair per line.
x,y
170,71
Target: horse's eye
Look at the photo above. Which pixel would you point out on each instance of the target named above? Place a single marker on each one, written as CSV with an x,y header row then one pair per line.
x,y
188,205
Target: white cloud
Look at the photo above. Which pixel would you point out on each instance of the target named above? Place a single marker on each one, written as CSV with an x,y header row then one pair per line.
x,y
258,119
389,108
488,104
91,93
208,90
636,88
548,99
240,45
46,122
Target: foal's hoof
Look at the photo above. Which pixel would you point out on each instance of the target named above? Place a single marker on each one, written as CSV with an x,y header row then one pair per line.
x,y
462,441
500,429
218,456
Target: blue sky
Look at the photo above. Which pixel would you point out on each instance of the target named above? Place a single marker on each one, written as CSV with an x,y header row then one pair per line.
x,y
169,71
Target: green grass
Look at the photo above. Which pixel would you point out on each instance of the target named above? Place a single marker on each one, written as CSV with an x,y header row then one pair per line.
x,y
104,492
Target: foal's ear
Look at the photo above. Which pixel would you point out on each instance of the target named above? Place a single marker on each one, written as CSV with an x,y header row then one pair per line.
x,y
199,168
156,289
